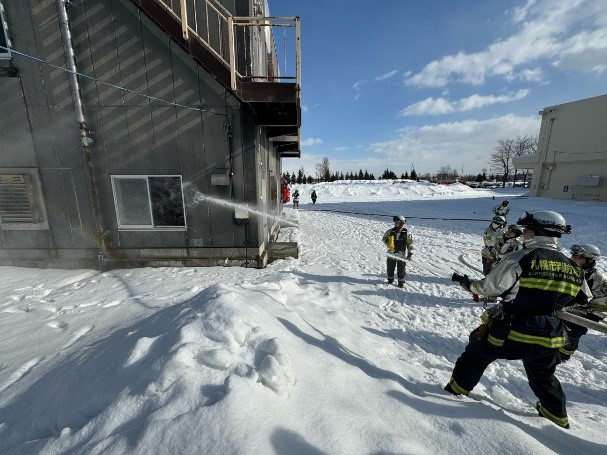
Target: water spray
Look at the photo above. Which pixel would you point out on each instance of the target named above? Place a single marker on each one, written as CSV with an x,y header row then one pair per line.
x,y
200,197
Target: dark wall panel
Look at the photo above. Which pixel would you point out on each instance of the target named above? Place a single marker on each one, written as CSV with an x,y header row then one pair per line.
x,y
27,239
120,47
16,144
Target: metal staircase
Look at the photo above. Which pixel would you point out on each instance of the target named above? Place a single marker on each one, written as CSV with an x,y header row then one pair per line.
x,y
245,56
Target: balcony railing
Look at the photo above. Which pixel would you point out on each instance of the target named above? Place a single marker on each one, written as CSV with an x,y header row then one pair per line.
x,y
253,49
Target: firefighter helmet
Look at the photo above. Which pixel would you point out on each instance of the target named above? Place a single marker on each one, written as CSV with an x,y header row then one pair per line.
x,y
545,222
587,251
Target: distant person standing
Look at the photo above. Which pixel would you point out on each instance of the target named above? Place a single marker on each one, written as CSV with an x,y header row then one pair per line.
x,y
314,197
400,247
296,199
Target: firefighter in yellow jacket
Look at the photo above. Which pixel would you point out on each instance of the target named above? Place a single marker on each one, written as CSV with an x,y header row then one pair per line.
x,y
533,283
400,247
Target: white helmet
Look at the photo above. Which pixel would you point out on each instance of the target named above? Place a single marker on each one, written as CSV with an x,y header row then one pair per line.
x,y
587,251
399,218
499,219
545,222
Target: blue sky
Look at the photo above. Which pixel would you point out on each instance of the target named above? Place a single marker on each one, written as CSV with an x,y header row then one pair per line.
x,y
399,84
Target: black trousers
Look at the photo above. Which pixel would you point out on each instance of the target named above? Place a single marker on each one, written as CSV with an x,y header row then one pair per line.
x,y
400,267
539,362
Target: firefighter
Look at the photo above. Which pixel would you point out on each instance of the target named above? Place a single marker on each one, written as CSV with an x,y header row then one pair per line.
x,y
509,242
400,247
501,209
533,283
585,256
491,235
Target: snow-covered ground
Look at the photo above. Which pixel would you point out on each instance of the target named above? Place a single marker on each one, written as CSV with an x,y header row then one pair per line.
x,y
314,355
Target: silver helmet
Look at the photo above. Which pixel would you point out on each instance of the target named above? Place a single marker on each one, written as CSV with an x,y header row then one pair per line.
x,y
499,220
399,218
587,251
545,222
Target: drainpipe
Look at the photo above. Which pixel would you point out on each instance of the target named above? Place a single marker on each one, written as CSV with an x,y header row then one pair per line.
x,y
85,136
544,156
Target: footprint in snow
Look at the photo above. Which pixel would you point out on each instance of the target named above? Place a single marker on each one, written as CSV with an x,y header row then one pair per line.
x,y
59,325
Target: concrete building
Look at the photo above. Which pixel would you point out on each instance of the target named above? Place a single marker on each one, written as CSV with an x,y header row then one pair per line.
x,y
140,132
571,159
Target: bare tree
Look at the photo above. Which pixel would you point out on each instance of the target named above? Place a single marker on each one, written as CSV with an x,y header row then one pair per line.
x,y
323,172
526,145
446,173
502,158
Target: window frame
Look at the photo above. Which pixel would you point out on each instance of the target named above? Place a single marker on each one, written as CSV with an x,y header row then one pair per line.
x,y
146,227
4,54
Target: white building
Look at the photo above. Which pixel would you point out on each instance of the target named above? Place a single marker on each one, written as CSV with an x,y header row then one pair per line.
x,y
571,159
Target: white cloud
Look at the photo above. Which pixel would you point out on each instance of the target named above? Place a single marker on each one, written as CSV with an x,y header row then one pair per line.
x,y
565,33
520,13
466,144
439,106
388,75
357,89
531,75
585,50
311,141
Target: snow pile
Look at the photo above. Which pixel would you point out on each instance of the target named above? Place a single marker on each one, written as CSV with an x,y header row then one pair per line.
x,y
308,356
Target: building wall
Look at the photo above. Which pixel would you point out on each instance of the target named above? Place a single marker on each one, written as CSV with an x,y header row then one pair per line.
x,y
572,146
132,135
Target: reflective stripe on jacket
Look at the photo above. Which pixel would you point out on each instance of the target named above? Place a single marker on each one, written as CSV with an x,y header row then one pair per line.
x,y
533,283
403,241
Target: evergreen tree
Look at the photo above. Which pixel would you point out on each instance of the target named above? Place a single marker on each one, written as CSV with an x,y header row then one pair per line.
x,y
388,174
413,175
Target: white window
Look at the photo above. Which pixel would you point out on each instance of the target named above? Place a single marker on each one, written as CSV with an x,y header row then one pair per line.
x,y
149,202
4,40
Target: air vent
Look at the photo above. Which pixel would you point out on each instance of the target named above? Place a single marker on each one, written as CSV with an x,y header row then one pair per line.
x,y
16,199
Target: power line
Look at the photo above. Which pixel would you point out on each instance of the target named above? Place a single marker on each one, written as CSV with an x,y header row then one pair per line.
x,y
119,87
